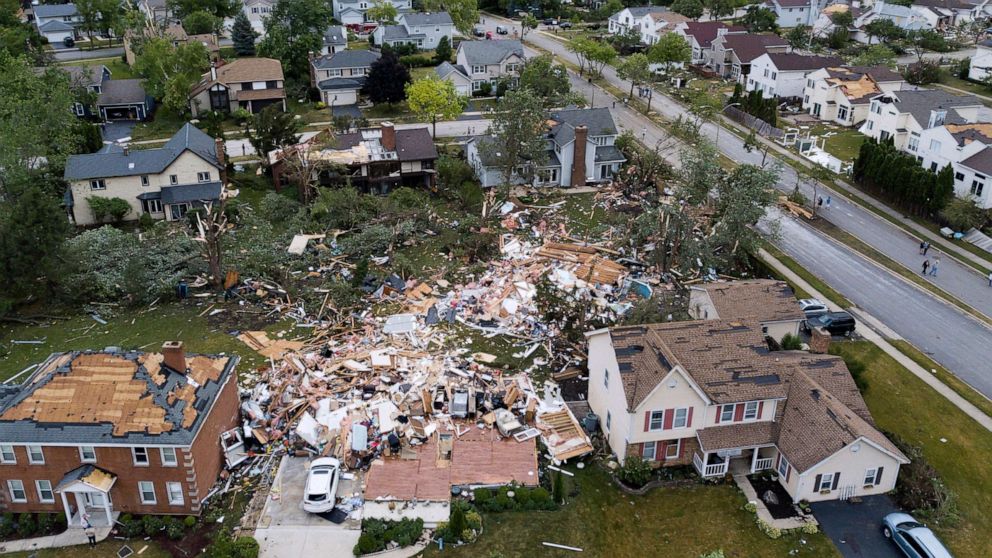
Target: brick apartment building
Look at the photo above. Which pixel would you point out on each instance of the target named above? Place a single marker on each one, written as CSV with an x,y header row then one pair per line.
x,y
105,433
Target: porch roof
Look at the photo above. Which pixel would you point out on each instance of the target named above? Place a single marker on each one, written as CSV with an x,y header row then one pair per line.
x,y
90,475
744,435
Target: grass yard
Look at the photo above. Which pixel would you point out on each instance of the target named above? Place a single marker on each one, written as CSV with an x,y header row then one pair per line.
x,y
603,521
902,404
164,124
842,143
118,68
102,550
946,78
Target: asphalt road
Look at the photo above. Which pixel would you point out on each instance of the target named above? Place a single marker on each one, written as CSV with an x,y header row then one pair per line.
x,y
956,340
75,54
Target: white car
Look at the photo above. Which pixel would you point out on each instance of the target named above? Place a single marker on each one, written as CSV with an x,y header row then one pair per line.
x,y
812,307
322,485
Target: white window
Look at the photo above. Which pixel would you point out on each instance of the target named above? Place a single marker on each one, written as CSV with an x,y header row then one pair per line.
x,y
826,481
147,490
173,179
774,75
98,184
7,455
78,109
35,455
169,457
648,451
977,187
783,466
681,418
726,413
140,456
154,206
842,113
672,451
914,141
657,420
609,420
751,410
934,145
87,454
766,72
144,180
203,176
876,108
870,476
175,492
45,493
871,125
478,69
16,489
809,83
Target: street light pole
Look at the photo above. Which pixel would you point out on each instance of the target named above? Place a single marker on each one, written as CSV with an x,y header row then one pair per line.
x,y
718,126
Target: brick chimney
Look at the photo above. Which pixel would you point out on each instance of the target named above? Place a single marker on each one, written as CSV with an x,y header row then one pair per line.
x,y
174,356
388,136
213,71
221,159
819,341
579,156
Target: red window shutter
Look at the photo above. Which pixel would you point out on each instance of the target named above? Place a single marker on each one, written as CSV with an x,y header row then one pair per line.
x,y
718,409
739,412
660,451
836,480
761,406
778,461
816,483
688,419
683,448
647,421
669,417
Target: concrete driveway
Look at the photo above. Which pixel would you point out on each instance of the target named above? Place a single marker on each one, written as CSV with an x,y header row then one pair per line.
x,y
856,529
286,531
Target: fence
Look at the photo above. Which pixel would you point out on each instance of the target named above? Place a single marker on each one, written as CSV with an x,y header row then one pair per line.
x,y
756,124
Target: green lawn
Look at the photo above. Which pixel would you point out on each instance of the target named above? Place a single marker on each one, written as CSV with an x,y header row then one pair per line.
x,y
946,78
163,126
118,69
903,404
843,143
103,550
603,521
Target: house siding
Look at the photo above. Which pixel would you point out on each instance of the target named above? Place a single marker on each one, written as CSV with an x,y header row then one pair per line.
x,y
604,400
851,466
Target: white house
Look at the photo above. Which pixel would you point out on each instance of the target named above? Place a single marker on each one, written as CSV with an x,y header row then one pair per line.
x,y
335,39
352,12
944,15
710,393
981,61
489,62
164,182
842,94
580,151
257,11
57,22
903,115
780,74
971,178
793,13
904,17
732,53
457,75
649,22
772,304
424,30
700,35
340,76
940,146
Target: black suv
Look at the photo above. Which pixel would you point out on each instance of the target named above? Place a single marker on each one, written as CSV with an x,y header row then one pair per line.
x,y
836,323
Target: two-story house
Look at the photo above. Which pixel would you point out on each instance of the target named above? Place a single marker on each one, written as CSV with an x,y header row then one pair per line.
x,y
164,182
793,13
731,54
905,18
257,11
772,304
783,74
86,83
903,115
981,62
335,39
711,394
375,160
842,94
99,96
423,30
489,62
940,146
246,83
101,433
700,35
352,13
581,150
648,22
972,178
340,76
945,15
57,22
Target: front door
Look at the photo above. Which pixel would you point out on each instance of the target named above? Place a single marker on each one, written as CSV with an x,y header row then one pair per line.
x,y
94,499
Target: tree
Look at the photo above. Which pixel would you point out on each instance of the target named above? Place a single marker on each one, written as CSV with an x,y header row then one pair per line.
x,y
432,98
89,14
211,224
592,55
842,19
923,40
608,8
838,37
876,55
626,40
293,29
670,49
114,208
742,199
383,12
442,52
527,23
179,9
760,19
973,29
721,8
558,489
548,81
271,129
243,35
464,13
387,79
518,132
171,71
202,22
922,73
884,29
636,69
692,9
18,37
799,36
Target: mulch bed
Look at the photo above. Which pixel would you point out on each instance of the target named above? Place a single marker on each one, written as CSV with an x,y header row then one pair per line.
x,y
785,508
192,543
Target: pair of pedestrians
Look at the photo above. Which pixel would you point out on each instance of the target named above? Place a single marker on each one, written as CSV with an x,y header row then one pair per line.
x,y
934,266
819,202
924,247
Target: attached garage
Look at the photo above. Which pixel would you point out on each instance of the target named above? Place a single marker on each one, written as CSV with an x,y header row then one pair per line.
x,y
124,99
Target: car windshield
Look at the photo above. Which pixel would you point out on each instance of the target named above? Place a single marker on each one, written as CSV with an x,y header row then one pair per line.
x,y
907,525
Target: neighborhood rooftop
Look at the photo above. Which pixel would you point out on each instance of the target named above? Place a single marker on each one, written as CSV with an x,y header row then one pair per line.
x,y
490,52
114,161
921,102
705,31
747,47
420,18
346,59
792,61
755,299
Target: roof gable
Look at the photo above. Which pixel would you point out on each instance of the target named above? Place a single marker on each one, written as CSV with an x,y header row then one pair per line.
x,y
490,52
113,162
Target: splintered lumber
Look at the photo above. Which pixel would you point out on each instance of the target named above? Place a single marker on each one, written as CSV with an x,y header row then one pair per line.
x,y
795,208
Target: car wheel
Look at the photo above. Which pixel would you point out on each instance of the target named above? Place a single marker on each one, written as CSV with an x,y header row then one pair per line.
x,y
887,532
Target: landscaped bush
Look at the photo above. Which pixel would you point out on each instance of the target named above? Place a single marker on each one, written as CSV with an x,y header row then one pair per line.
x,y
152,524
116,209
900,179
635,471
7,525
174,528
416,61
810,528
26,525
771,532
377,534
132,527
189,522
245,547
523,499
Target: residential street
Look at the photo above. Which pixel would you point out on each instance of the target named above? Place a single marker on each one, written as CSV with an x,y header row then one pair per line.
x,y
909,311
68,55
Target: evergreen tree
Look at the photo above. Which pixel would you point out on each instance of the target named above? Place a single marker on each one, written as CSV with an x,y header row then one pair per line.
x,y
243,35
442,53
387,79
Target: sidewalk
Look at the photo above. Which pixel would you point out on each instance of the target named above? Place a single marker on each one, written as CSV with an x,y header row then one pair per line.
x,y
870,335
70,537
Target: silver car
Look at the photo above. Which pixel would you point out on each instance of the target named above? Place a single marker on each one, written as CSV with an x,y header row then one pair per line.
x,y
812,307
913,538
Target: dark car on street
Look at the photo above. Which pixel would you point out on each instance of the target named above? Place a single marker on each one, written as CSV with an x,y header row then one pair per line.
x,y
835,323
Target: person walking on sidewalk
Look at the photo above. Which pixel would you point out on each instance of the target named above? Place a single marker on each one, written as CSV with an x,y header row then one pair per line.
x,y
926,264
90,534
990,278
922,244
926,247
934,266
828,202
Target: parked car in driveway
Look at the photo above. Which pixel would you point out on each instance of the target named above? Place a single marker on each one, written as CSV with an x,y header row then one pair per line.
x,y
565,25
322,485
813,307
479,31
502,30
836,323
913,538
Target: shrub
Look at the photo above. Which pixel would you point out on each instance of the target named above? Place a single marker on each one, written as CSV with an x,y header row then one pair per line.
x,y
152,524
145,221
921,490
714,554
189,522
47,523
174,528
114,208
540,499
245,547
482,495
810,528
791,342
132,527
7,525
485,89
416,61
751,507
377,534
768,530
26,525
457,524
635,471
241,115
277,208
558,489
963,214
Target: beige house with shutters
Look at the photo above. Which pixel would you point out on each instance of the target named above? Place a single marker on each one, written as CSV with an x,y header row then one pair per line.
x,y
710,394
